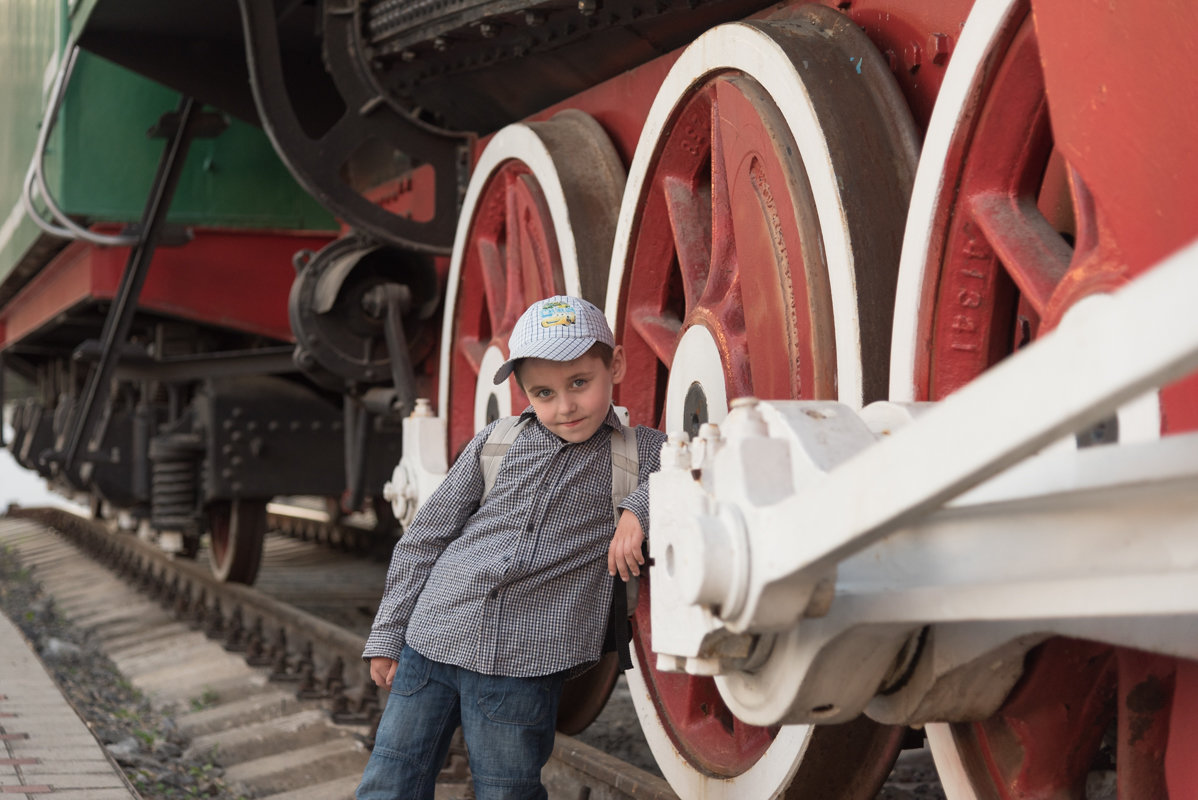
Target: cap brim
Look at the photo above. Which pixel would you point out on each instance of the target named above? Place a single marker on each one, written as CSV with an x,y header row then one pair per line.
x,y
549,350
505,370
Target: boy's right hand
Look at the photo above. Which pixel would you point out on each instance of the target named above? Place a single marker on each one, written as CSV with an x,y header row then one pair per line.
x,y
382,670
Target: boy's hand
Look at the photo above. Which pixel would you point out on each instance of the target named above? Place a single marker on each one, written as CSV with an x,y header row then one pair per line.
x,y
624,555
382,670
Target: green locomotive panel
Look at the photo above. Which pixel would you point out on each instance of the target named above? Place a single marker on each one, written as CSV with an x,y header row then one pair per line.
x,y
99,162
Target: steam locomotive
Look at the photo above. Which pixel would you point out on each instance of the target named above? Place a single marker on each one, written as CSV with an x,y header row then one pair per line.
x,y
909,282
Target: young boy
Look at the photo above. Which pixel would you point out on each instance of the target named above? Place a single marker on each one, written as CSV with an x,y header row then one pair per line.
x,y
491,602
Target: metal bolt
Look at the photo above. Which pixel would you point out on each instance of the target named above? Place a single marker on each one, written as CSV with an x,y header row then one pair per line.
x,y
913,55
941,46
488,30
588,7
534,18
674,452
440,44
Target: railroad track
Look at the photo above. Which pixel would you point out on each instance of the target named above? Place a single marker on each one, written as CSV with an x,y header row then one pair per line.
x,y
266,678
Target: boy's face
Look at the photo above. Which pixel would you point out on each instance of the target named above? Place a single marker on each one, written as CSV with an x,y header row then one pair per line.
x,y
571,398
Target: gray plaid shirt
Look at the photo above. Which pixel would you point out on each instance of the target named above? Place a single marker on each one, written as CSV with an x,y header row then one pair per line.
x,y
517,586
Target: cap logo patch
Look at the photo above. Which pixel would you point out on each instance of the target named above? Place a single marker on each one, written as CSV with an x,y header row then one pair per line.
x,y
557,313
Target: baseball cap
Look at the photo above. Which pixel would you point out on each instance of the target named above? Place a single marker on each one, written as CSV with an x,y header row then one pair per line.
x,y
558,328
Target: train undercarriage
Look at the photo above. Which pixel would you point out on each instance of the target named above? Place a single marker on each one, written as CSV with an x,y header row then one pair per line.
x,y
910,283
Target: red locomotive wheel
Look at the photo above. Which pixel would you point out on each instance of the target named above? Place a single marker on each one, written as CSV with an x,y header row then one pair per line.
x,y
236,531
756,255
1006,233
537,221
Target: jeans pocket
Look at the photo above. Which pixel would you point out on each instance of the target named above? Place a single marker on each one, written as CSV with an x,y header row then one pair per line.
x,y
516,701
412,673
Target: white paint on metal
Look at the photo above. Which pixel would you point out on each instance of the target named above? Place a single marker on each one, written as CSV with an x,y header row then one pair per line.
x,y
423,465
485,389
1142,336
1102,550
749,49
696,360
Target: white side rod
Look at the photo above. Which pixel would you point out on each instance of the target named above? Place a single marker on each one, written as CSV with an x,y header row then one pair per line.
x,y
1119,347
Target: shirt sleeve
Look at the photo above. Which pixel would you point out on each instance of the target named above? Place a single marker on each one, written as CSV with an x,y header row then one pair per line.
x,y
648,451
438,522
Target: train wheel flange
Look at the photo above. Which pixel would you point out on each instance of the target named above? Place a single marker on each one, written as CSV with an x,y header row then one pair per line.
x,y
744,232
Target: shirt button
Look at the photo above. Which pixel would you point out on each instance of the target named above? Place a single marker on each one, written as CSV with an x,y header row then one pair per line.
x,y
494,593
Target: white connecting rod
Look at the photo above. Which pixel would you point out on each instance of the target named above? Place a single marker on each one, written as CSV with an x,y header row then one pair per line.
x,y
1114,350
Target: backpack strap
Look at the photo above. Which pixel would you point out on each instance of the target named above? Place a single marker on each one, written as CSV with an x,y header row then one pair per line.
x,y
495,448
625,474
625,463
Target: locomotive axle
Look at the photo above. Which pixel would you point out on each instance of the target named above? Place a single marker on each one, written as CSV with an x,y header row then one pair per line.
x,y
813,599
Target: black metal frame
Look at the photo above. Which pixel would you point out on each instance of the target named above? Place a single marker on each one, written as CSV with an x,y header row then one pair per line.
x,y
369,115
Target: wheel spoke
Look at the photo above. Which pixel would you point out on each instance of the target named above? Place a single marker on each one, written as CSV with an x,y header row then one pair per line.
x,y
514,299
1067,692
1086,235
658,331
723,234
472,349
1034,255
490,259
689,211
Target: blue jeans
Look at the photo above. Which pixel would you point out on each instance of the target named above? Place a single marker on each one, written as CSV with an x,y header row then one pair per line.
x,y
508,725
